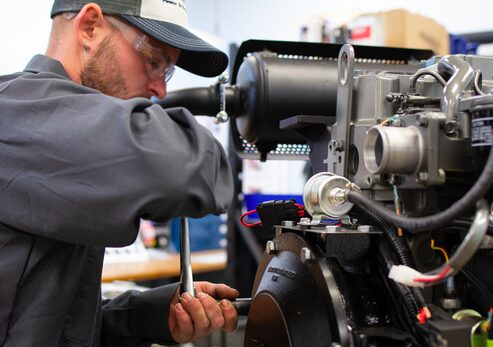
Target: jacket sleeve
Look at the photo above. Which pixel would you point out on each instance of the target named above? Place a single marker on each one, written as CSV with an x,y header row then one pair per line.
x,y
138,318
95,165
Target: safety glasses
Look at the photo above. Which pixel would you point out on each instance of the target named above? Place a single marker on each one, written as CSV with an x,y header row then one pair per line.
x,y
158,62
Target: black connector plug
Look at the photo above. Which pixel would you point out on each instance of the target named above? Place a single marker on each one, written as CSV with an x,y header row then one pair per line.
x,y
273,212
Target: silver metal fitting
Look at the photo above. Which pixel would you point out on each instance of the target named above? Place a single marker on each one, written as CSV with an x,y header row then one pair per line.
x,y
325,195
222,116
333,228
365,228
337,196
306,254
270,247
450,304
305,221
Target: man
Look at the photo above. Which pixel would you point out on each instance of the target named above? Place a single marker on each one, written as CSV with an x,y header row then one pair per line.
x,y
84,155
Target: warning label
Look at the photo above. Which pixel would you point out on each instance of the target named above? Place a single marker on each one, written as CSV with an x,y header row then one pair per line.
x,y
482,132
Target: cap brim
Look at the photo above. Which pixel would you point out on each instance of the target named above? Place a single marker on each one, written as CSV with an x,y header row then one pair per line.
x,y
197,56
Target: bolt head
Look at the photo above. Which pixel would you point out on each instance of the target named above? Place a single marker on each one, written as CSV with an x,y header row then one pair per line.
x,y
224,78
306,254
365,228
270,247
305,221
222,117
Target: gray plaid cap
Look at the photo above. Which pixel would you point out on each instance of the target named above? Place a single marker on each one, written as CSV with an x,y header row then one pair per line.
x,y
164,20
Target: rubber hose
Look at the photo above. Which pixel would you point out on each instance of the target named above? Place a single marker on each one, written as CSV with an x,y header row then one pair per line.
x,y
417,224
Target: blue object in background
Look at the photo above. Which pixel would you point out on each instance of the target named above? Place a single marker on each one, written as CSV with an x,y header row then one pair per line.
x,y
206,233
460,45
252,200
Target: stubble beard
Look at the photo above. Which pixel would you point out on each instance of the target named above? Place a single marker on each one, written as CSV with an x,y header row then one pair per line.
x,y
103,72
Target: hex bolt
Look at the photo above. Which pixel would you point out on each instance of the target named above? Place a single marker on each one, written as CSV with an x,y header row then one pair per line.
x,y
306,254
422,177
287,223
333,228
450,128
224,78
365,228
270,247
422,121
338,145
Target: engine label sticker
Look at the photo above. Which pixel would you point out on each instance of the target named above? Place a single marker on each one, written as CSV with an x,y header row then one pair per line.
x,y
482,132
282,272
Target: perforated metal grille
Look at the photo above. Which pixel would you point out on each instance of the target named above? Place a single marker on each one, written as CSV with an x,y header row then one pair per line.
x,y
357,60
283,151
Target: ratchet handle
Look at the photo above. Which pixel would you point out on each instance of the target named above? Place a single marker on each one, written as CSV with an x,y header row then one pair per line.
x,y
186,276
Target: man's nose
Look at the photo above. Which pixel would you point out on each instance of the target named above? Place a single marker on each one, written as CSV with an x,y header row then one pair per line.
x,y
157,87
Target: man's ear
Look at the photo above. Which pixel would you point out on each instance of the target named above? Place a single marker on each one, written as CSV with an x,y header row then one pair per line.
x,y
89,26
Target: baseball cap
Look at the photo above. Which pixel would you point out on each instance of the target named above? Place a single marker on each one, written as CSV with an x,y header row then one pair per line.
x,y
166,21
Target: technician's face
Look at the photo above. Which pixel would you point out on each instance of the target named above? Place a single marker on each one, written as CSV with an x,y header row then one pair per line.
x,y
119,69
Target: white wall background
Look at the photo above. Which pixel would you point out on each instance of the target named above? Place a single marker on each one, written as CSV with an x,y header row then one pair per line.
x,y
235,20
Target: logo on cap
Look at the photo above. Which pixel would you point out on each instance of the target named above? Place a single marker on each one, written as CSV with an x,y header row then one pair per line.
x,y
177,3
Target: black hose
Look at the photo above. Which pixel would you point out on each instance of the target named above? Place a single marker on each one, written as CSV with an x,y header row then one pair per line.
x,y
404,292
417,224
400,248
398,244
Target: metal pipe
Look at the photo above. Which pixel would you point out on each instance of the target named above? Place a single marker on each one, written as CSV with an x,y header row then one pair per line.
x,y
186,276
393,150
425,71
461,80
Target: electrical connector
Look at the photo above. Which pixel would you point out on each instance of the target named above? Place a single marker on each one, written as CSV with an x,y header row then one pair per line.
x,y
273,212
405,275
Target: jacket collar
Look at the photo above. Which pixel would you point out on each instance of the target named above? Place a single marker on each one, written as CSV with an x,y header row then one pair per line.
x,y
42,63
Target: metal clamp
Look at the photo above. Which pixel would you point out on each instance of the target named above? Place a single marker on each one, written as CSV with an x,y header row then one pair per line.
x,y
222,116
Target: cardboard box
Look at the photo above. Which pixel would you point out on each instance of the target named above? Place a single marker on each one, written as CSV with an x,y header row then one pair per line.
x,y
399,28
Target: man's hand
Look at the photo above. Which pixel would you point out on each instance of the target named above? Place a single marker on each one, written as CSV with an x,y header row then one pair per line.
x,y
193,318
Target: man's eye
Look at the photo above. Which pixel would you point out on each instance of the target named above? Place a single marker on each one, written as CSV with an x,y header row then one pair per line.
x,y
153,63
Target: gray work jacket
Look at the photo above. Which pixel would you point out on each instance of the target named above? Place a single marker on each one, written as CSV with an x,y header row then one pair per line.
x,y
78,169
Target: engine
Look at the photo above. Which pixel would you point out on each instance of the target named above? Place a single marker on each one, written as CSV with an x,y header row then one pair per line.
x,y
395,244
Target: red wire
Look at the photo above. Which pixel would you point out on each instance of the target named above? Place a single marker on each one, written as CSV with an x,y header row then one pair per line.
x,y
301,210
246,223
435,278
